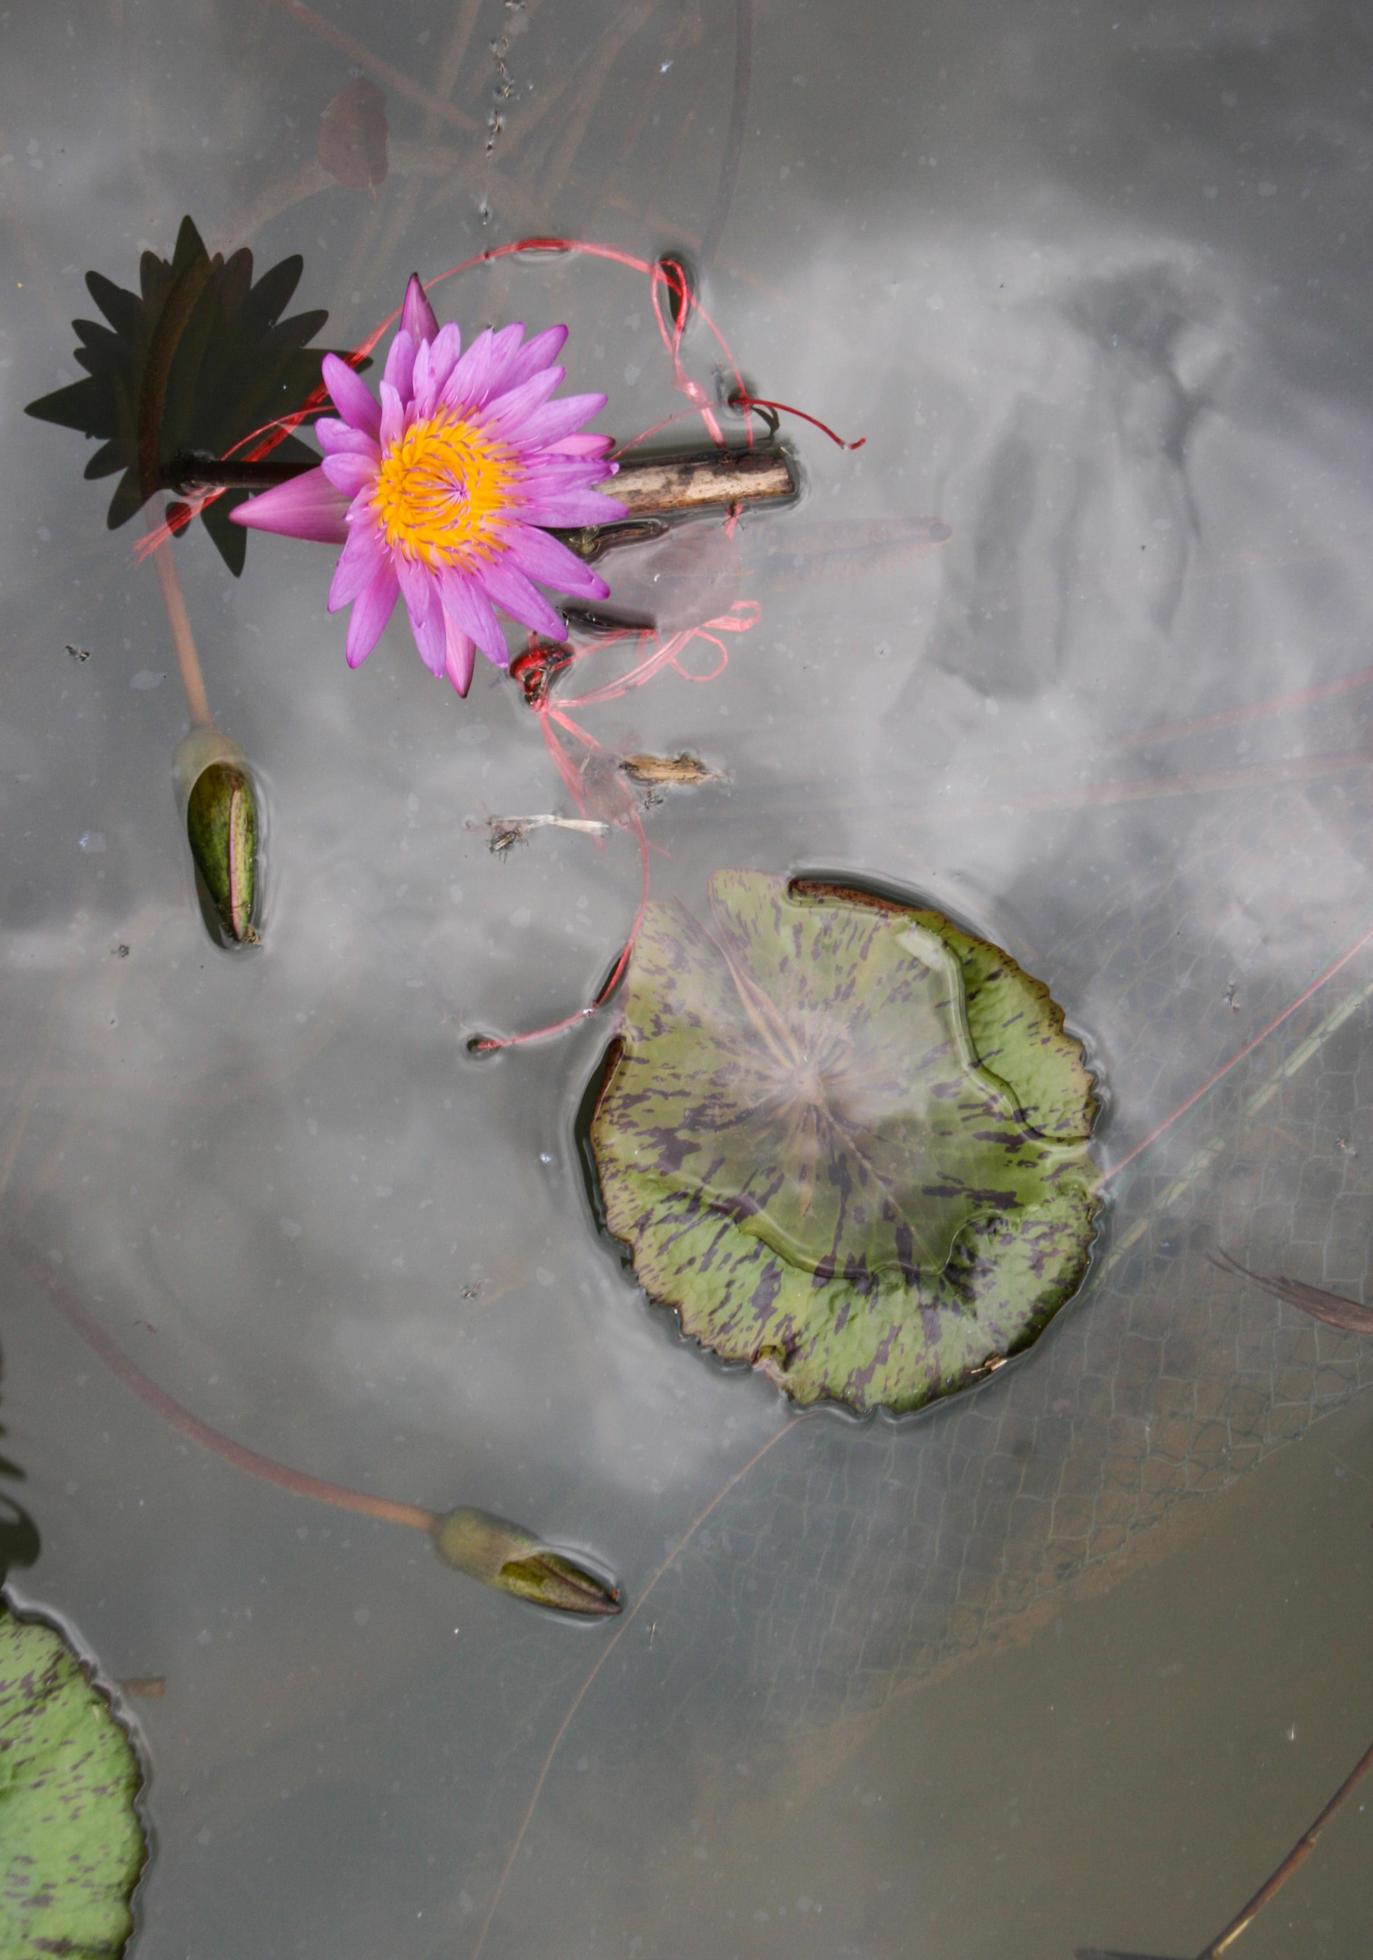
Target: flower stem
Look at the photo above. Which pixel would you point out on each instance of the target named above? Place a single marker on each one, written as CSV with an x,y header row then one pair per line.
x,y
300,1482
186,473
178,619
649,486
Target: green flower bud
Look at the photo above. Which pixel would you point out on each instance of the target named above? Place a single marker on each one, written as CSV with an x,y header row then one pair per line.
x,y
220,802
498,1553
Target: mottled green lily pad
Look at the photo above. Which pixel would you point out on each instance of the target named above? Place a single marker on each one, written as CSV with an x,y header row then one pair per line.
x,y
71,1847
845,1140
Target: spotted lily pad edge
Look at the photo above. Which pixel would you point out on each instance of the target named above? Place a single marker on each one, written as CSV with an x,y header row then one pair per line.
x,y
36,1637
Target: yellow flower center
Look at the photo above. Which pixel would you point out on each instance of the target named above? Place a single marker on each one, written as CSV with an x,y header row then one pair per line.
x,y
440,490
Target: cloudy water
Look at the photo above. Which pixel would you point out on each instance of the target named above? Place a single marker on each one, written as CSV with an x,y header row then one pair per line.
x,y
1074,648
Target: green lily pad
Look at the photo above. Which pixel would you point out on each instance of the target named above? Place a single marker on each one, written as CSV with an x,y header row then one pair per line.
x,y
71,1846
846,1140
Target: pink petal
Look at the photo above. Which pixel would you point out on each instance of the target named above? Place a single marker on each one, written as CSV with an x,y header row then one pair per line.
x,y
535,354
433,365
560,418
545,558
508,586
363,556
504,413
371,610
354,401
555,468
430,640
465,384
467,604
341,438
400,364
307,507
350,473
422,380
583,445
419,588
459,654
566,509
392,418
506,350
417,317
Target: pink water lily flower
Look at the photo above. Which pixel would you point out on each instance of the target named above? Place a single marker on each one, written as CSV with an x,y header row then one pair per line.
x,y
441,493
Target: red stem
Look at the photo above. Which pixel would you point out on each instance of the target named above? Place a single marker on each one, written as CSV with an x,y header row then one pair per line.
x,y
299,1482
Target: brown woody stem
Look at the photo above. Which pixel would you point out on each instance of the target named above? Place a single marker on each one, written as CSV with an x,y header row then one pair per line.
x,y
1298,1855
668,486
648,486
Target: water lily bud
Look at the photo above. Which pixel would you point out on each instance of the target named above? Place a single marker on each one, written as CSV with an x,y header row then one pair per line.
x,y
216,790
498,1553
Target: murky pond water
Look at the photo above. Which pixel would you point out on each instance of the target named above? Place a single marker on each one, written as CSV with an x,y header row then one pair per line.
x,y
1067,1662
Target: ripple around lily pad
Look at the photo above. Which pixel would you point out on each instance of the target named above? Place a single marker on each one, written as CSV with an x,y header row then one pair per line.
x,y
845,1140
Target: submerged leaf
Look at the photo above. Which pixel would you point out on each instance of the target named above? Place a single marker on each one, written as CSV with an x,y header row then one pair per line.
x,y
1100,1953
352,135
845,1140
71,1846
1348,1316
506,1556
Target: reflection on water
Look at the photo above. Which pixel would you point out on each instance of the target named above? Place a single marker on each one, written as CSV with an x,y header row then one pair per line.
x,y
19,1540
194,363
1093,290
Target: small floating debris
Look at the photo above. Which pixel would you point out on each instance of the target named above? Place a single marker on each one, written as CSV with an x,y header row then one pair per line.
x,y
506,832
660,771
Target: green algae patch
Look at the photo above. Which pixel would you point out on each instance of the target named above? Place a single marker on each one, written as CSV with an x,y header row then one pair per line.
x,y
845,1140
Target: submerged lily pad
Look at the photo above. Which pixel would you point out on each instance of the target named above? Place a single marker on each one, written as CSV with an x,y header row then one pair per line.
x,y
845,1140
71,1847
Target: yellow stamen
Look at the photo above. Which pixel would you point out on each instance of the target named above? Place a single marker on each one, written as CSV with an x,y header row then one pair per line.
x,y
440,488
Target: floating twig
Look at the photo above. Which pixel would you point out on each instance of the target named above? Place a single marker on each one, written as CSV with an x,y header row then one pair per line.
x,y
1347,1316
1298,1855
662,486
667,771
648,486
506,831
1224,1940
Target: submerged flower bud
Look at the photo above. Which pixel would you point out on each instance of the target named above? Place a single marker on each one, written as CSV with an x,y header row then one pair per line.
x,y
216,789
500,1554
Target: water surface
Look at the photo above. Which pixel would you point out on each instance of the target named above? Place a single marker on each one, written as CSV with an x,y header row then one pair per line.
x,y
1070,1661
